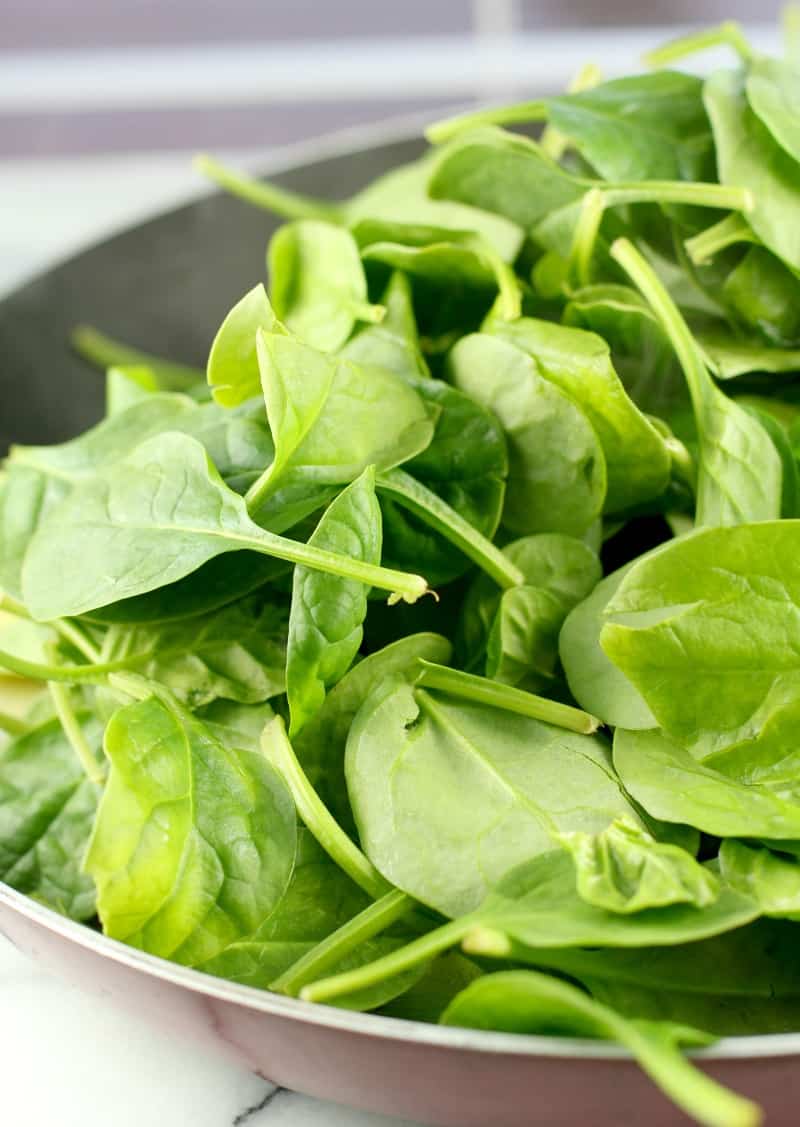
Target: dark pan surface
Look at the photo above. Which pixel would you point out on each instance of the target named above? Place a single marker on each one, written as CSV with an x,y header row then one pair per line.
x,y
165,286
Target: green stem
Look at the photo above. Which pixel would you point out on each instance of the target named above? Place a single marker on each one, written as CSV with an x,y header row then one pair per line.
x,y
677,191
509,305
727,34
366,311
316,816
421,950
584,236
92,674
498,695
289,205
12,725
517,114
683,467
732,229
74,733
698,1095
372,921
105,352
553,142
437,514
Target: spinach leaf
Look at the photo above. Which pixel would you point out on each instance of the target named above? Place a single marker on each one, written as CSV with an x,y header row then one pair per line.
x,y
624,869
194,842
529,1002
773,93
392,343
233,372
150,519
704,630
579,363
762,293
128,385
771,879
646,127
735,354
326,621
730,490
557,471
320,746
47,807
674,787
317,283
313,400
749,157
485,804
594,680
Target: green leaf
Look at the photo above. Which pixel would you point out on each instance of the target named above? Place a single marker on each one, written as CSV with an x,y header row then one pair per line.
x,y
624,869
557,472
646,127
707,637
392,343
233,373
579,363
320,746
674,787
317,283
528,1002
749,157
194,843
762,293
773,92
416,758
47,807
152,518
326,621
128,385
772,880
594,680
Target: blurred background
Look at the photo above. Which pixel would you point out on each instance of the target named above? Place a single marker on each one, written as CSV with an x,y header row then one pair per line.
x,y
102,102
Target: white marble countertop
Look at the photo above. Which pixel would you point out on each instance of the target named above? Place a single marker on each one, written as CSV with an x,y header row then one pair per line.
x,y
74,1061
67,1059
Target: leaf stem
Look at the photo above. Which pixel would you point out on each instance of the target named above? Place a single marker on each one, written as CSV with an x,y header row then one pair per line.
x,y
90,674
261,193
696,193
732,229
104,352
517,114
584,236
12,725
726,34
498,695
331,950
316,816
420,950
74,733
68,630
436,513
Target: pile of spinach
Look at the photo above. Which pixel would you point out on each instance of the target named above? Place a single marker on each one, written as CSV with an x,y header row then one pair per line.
x,y
542,394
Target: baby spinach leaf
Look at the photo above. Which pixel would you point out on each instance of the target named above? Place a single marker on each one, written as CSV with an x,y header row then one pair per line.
x,y
320,746
152,518
646,127
47,807
730,490
128,385
557,472
674,787
212,828
707,638
773,93
238,654
579,363
594,680
735,354
504,173
233,372
624,869
317,283
392,343
326,621
762,293
771,879
749,157
529,1002
485,804
314,399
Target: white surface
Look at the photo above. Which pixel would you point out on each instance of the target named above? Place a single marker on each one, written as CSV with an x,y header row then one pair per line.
x,y
72,1061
